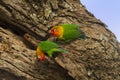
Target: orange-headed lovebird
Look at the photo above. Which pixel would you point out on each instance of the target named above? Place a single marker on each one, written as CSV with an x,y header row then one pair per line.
x,y
49,48
67,32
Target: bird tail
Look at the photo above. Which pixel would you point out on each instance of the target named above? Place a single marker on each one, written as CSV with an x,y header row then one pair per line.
x,y
64,51
59,50
82,34
54,52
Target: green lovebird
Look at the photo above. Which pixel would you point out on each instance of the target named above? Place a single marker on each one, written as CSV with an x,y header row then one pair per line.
x,y
67,32
47,47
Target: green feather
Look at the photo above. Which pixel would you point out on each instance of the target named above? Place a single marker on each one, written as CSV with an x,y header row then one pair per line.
x,y
47,45
70,26
71,34
55,50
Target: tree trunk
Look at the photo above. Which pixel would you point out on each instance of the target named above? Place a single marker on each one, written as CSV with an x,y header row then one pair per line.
x,y
24,23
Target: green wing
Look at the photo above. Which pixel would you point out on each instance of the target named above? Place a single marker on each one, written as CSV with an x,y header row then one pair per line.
x,y
55,50
70,26
73,34
47,45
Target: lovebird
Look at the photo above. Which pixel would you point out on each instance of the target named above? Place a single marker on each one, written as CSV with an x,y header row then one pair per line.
x,y
48,48
67,32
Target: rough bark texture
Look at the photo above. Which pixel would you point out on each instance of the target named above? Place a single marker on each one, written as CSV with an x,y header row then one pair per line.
x,y
24,23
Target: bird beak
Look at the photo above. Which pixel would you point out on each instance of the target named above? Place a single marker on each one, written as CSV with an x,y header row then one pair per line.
x,y
41,58
52,32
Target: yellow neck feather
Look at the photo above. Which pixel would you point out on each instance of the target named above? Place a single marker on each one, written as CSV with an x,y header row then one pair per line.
x,y
60,31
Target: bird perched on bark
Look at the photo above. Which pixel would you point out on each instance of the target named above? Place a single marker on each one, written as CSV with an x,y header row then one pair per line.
x,y
47,48
67,32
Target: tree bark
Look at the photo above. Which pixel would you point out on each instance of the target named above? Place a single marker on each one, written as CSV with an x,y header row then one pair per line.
x,y
24,23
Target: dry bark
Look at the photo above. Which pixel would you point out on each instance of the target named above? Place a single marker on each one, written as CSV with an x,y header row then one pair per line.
x,y
24,23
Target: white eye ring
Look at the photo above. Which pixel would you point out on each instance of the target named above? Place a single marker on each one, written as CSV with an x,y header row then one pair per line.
x,y
39,57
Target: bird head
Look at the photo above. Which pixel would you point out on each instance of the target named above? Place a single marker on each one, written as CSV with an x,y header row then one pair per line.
x,y
57,31
40,54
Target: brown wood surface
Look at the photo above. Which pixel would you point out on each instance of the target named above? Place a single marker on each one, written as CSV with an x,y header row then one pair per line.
x,y
24,23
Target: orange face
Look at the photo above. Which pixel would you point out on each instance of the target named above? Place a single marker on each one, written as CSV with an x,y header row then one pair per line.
x,y
40,54
41,57
57,31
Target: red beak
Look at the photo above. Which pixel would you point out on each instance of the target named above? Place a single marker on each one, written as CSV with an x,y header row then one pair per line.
x,y
41,59
52,32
